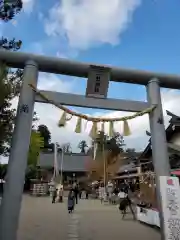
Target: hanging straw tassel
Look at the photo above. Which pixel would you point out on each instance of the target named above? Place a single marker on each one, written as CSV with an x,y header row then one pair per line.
x,y
102,127
93,132
111,129
127,131
95,150
62,121
78,128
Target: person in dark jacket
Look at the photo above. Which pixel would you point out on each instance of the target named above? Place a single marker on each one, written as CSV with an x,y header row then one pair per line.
x,y
80,193
71,201
125,203
87,193
54,195
76,191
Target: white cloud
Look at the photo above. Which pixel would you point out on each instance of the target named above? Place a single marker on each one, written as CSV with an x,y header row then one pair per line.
x,y
86,23
28,5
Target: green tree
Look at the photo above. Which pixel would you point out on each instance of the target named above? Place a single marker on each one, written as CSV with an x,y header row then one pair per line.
x,y
82,146
36,143
10,80
8,9
115,144
10,84
66,147
32,172
45,134
3,171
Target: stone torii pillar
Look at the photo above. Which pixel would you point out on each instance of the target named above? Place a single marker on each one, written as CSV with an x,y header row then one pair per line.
x,y
12,196
159,144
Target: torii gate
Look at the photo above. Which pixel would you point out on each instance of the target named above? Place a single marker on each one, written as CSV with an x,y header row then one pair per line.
x,y
11,202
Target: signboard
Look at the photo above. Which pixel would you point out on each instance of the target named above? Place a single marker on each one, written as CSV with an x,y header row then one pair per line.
x,y
98,82
170,195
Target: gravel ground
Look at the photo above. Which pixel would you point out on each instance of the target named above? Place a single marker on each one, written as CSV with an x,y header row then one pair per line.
x,y
91,221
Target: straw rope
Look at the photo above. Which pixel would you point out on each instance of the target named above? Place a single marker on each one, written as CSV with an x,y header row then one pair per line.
x,y
88,118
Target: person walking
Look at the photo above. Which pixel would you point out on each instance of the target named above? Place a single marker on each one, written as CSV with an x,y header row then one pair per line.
x,y
87,194
61,194
71,201
76,191
125,203
80,193
54,195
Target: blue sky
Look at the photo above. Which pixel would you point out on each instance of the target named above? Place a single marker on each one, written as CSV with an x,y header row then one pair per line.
x,y
150,41
127,33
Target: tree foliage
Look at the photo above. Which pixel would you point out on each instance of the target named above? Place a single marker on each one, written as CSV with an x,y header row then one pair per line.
x,y
82,146
112,147
12,45
10,82
9,8
66,148
115,144
36,143
45,134
3,171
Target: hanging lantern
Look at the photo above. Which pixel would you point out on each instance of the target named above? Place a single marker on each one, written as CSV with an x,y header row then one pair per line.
x,y
9,8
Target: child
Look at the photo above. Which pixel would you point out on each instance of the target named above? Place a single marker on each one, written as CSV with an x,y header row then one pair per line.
x,y
71,201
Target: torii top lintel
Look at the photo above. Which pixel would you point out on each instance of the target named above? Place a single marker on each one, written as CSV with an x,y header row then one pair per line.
x,y
74,68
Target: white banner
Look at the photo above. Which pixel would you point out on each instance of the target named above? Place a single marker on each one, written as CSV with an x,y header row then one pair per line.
x,y
170,194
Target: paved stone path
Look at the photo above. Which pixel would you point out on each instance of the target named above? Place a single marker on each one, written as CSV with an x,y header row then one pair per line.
x,y
91,221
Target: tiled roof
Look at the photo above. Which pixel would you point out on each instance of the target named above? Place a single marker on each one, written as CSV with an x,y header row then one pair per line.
x,y
71,163
170,131
128,167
